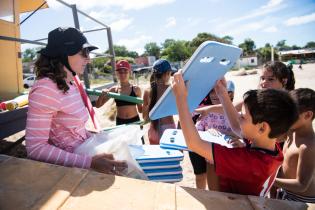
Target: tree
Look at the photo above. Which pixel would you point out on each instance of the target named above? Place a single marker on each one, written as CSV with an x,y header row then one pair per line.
x,y
152,49
282,46
228,39
177,51
295,47
120,50
265,53
202,37
310,45
29,55
248,46
133,54
167,43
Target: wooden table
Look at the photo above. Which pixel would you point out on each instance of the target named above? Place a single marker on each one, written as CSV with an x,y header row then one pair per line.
x,y
27,184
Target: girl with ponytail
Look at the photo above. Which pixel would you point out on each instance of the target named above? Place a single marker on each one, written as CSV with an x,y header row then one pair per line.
x,y
159,82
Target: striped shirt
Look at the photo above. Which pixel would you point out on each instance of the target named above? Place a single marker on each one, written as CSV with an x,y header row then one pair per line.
x,y
56,125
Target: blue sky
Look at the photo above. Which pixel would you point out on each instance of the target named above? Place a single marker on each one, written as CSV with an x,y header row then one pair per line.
x,y
137,22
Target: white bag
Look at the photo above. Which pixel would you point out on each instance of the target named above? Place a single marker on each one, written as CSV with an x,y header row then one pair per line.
x,y
116,142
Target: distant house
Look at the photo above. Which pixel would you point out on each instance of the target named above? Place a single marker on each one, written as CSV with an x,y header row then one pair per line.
x,y
305,55
145,60
251,60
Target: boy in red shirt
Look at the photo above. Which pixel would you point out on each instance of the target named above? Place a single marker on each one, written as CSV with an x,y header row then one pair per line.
x,y
265,115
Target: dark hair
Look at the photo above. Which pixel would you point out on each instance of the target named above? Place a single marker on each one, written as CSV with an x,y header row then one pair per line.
x,y
53,69
305,99
281,72
153,94
276,107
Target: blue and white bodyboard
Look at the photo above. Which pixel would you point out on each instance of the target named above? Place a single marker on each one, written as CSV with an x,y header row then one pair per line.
x,y
174,139
167,178
163,172
154,153
160,165
209,63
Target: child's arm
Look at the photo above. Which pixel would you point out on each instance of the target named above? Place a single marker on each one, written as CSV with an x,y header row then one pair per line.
x,y
191,135
146,103
217,108
304,172
228,107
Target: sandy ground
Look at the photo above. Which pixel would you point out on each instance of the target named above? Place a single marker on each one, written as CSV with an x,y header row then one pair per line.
x,y
304,78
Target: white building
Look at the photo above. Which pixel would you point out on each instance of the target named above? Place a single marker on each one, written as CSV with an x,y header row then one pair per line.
x,y
247,61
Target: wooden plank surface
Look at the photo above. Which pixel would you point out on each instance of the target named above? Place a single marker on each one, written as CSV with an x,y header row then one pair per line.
x,y
188,198
99,191
27,184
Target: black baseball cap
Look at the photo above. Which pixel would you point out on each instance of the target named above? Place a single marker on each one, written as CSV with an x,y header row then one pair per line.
x,y
65,41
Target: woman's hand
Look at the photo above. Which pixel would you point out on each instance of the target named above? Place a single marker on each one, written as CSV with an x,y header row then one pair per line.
x,y
105,163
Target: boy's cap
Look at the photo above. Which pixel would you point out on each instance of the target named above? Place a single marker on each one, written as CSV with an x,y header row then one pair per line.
x,y
230,86
65,41
123,64
161,66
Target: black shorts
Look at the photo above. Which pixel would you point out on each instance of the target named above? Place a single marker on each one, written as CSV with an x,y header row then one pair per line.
x,y
120,121
198,162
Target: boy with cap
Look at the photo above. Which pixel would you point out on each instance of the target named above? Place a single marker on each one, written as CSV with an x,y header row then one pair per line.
x,y
265,115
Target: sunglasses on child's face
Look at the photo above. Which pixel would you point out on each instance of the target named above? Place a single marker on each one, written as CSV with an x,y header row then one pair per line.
x,y
122,71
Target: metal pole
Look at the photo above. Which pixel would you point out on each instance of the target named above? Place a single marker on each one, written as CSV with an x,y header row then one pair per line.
x,y
272,54
77,26
112,53
7,38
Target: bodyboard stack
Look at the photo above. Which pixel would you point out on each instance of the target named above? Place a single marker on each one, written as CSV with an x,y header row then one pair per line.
x,y
161,165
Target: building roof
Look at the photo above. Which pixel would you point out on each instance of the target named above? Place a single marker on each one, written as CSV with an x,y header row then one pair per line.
x,y
297,52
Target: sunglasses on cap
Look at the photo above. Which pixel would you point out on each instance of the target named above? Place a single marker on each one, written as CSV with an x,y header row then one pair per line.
x,y
85,53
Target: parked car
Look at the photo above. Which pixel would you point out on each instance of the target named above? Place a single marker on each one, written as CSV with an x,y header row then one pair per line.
x,y
29,81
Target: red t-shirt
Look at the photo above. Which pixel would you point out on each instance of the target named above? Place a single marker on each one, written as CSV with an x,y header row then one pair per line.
x,y
248,171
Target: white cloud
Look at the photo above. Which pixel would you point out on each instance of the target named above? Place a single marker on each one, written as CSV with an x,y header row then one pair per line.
x,y
271,6
121,24
271,29
135,44
236,27
294,21
124,4
254,26
170,22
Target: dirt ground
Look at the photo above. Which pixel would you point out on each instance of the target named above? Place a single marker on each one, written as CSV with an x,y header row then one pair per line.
x,y
304,78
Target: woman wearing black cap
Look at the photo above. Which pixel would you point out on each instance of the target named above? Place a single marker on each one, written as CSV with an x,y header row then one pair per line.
x,y
57,113
159,83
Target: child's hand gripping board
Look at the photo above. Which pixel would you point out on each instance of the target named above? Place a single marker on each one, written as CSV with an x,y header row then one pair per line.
x,y
154,153
174,139
209,63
